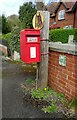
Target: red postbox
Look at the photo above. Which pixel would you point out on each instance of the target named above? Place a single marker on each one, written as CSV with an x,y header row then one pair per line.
x,y
30,45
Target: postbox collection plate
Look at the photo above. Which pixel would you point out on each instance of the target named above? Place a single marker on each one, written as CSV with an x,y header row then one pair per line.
x,y
32,39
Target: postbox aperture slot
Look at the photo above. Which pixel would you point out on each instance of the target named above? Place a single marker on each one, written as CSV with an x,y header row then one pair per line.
x,y
32,35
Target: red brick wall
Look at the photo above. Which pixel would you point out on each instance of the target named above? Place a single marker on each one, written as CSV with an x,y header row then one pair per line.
x,y
69,18
51,23
76,19
63,79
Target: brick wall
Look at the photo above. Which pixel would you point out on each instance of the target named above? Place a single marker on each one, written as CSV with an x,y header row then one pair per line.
x,y
76,18
69,19
63,79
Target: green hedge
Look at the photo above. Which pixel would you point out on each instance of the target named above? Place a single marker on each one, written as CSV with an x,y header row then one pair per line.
x,y
62,35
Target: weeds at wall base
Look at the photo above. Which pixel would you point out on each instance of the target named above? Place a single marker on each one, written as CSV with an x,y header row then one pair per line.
x,y
47,100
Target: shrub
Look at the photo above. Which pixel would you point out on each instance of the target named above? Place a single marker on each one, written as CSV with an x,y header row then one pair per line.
x,y
62,35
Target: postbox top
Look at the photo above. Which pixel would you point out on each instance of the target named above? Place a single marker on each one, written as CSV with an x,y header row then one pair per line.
x,y
30,36
31,31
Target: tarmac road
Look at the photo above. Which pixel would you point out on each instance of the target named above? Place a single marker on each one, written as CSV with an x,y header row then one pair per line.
x,y
13,105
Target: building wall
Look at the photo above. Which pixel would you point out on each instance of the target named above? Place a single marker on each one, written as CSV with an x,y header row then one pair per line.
x,y
63,79
76,19
69,19
51,23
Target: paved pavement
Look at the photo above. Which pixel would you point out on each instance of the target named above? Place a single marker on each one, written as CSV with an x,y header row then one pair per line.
x,y
13,105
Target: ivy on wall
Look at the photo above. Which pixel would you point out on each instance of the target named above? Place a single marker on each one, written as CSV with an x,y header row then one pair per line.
x,y
15,39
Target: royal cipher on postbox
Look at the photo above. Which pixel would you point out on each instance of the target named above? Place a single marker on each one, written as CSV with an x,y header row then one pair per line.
x,y
30,45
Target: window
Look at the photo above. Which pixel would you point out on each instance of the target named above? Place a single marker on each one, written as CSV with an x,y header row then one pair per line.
x,y
61,15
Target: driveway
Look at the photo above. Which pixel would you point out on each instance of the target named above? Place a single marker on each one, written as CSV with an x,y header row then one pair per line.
x,y
13,105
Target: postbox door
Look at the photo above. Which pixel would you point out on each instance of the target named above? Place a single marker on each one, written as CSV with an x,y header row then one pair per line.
x,y
33,53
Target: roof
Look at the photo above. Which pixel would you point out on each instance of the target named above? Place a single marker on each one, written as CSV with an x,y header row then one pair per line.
x,y
75,6
52,7
69,6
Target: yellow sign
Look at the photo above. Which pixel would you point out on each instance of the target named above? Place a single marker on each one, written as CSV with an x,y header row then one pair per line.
x,y
38,21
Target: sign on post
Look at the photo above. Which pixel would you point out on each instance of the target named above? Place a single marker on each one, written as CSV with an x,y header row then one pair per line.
x,y
38,21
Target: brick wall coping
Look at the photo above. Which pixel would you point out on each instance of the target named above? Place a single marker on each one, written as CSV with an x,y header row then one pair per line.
x,y
65,48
